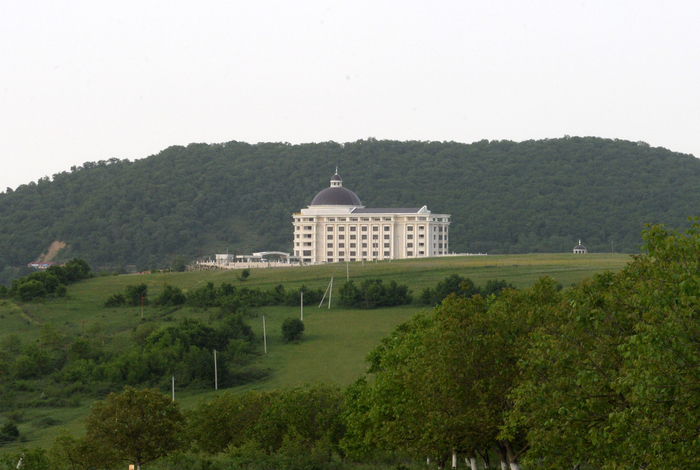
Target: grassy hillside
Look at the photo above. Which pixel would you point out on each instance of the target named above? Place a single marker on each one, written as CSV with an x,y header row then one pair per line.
x,y
504,197
335,342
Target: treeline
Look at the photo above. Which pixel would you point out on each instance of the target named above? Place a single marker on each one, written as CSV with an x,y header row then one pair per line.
x,y
228,297
504,197
51,282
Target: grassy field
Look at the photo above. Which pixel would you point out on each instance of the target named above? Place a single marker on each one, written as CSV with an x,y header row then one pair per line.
x,y
335,342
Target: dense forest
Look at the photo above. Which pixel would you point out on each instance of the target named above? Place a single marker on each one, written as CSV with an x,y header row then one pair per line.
x,y
504,197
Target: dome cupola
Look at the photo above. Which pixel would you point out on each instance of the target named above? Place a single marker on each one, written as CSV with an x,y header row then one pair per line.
x,y
336,194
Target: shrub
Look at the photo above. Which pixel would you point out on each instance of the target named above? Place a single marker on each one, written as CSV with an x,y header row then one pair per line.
x,y
292,329
9,432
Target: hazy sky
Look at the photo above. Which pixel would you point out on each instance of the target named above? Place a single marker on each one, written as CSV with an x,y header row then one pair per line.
x,y
87,81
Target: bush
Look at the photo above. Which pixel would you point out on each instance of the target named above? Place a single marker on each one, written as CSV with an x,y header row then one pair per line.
x,y
115,300
170,296
292,329
373,293
133,294
9,432
31,290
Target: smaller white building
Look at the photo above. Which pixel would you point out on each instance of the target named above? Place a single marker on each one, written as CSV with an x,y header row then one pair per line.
x,y
580,249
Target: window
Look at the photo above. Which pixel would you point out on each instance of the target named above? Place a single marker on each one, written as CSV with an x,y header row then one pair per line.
x,y
439,237
364,229
307,227
341,253
341,259
364,245
329,260
375,237
388,219
352,237
421,228
386,245
409,253
329,253
341,237
386,228
307,252
421,244
364,253
410,228
329,228
386,237
409,236
353,253
353,219
341,245
352,245
329,237
375,254
421,252
409,245
297,244
376,218
297,235
364,237
341,219
341,229
386,253
375,228
307,235
365,219
307,243
297,228
375,245
421,235
353,229
331,219
329,245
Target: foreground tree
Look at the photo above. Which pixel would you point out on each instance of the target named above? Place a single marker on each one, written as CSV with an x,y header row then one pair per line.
x,y
139,425
441,382
613,382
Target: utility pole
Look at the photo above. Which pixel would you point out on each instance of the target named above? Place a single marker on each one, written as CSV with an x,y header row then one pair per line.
x,y
216,375
264,335
330,293
302,305
173,381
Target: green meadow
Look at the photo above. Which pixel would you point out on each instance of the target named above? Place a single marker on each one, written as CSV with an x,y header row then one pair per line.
x,y
335,342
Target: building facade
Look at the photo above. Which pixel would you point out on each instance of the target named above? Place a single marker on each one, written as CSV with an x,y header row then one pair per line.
x,y
336,227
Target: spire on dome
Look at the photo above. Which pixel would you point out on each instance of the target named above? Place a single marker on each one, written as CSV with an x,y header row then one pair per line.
x,y
336,180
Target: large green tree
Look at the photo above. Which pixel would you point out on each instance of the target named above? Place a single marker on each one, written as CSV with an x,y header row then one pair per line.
x,y
139,425
612,381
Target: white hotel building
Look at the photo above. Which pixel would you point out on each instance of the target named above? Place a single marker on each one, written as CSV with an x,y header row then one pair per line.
x,y
336,227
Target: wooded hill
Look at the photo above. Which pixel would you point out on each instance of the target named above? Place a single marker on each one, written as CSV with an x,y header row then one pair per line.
x,y
504,197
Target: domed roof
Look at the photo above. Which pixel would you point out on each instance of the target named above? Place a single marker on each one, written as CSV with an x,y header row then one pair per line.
x,y
336,196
